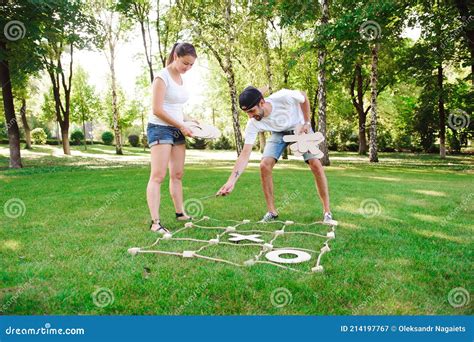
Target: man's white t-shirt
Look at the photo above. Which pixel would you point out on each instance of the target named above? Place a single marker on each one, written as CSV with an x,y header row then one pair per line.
x,y
175,97
285,115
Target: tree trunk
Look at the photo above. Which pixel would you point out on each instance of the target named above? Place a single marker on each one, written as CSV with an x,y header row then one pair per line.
x,y
147,55
373,157
9,108
235,110
161,50
115,111
24,121
266,51
442,114
358,103
84,132
65,137
322,89
55,71
465,13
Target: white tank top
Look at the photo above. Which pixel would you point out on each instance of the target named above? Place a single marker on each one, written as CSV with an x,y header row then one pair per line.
x,y
175,97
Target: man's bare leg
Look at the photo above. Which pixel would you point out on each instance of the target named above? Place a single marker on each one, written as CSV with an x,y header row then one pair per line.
x,y
266,167
321,183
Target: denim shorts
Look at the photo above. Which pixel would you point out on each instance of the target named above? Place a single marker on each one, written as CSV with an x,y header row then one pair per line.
x,y
160,134
275,146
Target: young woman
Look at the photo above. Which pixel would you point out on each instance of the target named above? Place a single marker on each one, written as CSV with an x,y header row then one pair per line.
x,y
166,132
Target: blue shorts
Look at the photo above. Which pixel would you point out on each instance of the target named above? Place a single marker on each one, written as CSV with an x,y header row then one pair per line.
x,y
160,134
275,146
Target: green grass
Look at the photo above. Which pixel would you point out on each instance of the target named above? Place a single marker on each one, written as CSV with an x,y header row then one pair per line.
x,y
403,261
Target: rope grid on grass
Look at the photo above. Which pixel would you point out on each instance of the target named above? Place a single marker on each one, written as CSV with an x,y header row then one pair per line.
x,y
266,247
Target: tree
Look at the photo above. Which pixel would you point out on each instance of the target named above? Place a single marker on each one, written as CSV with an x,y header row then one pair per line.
x,y
168,28
430,56
19,56
12,125
322,87
139,10
85,104
217,26
22,90
113,28
466,13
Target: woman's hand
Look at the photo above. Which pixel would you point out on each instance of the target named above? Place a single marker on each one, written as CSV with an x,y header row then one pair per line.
x,y
186,131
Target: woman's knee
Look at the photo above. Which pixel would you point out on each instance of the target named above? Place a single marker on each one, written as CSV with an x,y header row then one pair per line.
x,y
177,175
157,177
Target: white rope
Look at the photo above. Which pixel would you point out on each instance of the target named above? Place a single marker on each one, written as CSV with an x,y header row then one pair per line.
x,y
265,247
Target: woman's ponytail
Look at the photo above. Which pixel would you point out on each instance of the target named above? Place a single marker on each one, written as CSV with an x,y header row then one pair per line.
x,y
171,55
180,50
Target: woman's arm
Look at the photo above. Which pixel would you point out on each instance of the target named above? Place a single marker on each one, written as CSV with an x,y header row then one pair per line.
x,y
158,98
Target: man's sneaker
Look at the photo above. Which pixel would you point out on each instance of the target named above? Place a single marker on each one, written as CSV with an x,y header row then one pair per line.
x,y
268,217
328,219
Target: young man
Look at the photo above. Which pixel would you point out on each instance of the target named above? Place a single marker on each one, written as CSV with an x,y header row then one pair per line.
x,y
280,113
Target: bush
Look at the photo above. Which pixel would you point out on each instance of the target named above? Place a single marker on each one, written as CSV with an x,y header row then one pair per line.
x,y
134,140
453,142
77,137
351,146
332,140
107,137
144,139
3,130
223,143
384,140
197,144
38,136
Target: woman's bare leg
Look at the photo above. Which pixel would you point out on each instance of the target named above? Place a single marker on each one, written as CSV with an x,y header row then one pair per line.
x,y
160,155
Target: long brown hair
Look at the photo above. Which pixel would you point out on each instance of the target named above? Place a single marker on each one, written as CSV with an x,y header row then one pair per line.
x,y
181,49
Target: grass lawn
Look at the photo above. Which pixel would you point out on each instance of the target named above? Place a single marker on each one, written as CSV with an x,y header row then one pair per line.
x,y
82,213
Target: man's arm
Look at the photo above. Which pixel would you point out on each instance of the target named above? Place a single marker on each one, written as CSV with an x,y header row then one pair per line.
x,y
306,113
239,168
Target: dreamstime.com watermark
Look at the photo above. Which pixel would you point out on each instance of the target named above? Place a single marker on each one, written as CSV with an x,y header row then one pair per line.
x,y
281,297
370,30
459,297
15,297
9,125
453,34
369,298
370,207
458,119
197,292
287,199
46,330
463,206
14,30
193,207
103,297
14,208
112,198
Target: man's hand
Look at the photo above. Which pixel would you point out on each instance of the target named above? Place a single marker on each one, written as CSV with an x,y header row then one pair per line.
x,y
305,129
226,189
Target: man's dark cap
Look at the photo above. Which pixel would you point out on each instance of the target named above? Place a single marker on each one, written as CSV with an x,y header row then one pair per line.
x,y
249,98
